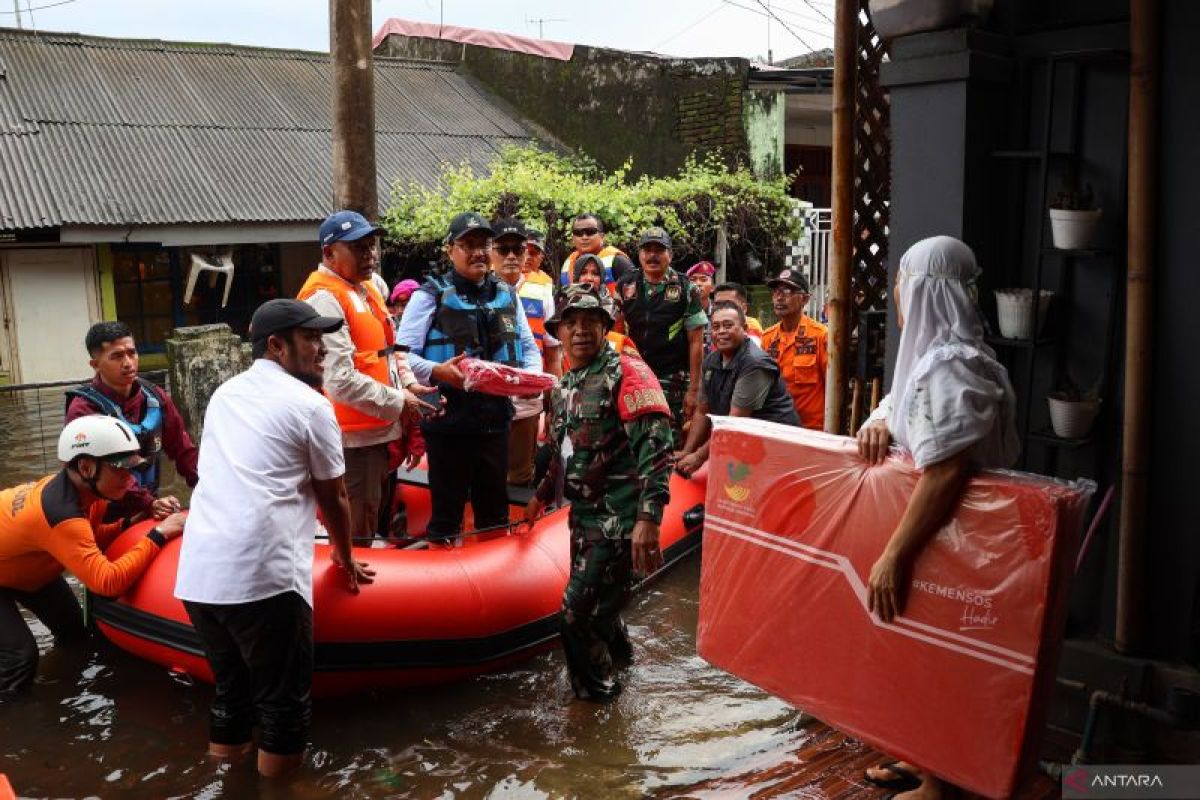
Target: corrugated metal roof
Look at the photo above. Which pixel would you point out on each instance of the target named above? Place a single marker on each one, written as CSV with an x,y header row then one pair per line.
x,y
121,132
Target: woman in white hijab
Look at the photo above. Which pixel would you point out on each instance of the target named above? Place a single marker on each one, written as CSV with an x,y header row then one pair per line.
x,y
952,408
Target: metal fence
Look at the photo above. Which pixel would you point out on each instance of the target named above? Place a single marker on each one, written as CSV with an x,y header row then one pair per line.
x,y
31,417
818,226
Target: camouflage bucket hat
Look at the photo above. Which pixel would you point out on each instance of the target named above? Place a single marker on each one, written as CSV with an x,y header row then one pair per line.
x,y
581,297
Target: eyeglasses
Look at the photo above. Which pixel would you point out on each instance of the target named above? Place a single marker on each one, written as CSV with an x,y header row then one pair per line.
x,y
485,245
783,291
509,249
584,231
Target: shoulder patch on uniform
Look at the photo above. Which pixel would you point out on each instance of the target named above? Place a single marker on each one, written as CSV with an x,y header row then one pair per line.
x,y
639,392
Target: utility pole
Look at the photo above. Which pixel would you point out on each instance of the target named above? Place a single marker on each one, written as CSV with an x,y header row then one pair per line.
x,y
841,261
17,11
354,184
541,23
770,56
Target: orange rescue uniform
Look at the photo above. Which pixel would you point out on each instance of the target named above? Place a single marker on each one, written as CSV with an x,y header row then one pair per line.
x,y
43,532
803,358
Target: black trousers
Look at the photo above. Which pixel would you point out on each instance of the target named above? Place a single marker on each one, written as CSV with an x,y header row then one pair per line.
x,y
55,605
261,654
462,468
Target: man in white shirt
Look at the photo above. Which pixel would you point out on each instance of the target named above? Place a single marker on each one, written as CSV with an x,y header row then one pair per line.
x,y
272,450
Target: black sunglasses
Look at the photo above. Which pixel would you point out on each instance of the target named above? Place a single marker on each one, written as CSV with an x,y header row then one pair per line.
x,y
509,249
584,231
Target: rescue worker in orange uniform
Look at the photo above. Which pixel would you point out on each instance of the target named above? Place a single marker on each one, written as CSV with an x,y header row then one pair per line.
x,y
370,409
799,345
56,524
587,236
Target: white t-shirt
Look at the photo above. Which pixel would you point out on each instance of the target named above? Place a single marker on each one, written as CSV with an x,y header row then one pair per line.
x,y
250,531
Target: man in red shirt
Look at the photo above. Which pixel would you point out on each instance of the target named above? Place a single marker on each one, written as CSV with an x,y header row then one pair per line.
x,y
117,391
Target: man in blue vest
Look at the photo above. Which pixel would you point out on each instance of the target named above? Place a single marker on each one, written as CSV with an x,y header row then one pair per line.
x,y
467,311
117,391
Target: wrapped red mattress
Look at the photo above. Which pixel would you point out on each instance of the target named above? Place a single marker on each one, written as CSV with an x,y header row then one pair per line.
x,y
957,684
492,378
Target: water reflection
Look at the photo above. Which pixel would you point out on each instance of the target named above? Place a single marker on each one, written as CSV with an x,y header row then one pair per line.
x,y
114,725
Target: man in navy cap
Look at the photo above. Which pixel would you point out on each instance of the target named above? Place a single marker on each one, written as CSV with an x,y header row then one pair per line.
x,y
358,379
467,312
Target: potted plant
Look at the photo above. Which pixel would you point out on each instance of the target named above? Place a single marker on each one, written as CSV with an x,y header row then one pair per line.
x,y
1074,217
1072,411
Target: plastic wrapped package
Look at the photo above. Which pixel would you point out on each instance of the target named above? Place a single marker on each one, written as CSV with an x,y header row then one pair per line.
x,y
499,379
959,682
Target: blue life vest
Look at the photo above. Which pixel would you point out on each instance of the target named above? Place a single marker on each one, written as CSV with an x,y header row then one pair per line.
x,y
148,431
468,322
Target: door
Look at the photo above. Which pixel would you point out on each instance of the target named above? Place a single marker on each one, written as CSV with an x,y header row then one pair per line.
x,y
52,301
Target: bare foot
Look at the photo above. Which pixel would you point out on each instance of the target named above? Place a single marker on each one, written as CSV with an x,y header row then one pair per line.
x,y
893,771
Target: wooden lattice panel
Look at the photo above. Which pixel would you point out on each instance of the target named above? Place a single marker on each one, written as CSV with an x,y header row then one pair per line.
x,y
872,170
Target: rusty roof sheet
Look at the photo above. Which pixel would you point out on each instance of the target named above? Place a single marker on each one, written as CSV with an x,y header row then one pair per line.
x,y
98,131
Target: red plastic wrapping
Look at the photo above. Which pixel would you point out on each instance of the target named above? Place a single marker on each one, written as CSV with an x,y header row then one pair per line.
x,y
957,684
492,378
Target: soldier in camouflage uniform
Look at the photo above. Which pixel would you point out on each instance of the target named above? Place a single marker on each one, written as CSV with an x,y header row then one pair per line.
x,y
611,435
664,316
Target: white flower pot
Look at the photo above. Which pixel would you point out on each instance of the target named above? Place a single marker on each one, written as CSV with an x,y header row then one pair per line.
x,y
1014,311
1071,419
1074,230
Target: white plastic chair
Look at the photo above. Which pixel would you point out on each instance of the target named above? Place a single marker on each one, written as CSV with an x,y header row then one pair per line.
x,y
217,265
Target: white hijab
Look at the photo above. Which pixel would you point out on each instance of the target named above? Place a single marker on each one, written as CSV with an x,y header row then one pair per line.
x,y
949,393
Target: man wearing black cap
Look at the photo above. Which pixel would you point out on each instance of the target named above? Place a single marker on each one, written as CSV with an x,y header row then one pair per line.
x,y
466,312
359,381
664,317
509,259
272,451
798,345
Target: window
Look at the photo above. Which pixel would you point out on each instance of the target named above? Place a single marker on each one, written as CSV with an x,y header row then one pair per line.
x,y
142,279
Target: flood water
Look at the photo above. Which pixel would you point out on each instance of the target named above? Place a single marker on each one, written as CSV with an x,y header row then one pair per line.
x,y
102,723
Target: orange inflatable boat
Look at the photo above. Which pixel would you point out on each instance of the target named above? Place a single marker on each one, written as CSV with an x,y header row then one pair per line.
x,y
433,615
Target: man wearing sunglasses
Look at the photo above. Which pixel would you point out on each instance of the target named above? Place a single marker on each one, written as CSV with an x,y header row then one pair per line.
x,y
54,525
587,236
510,258
368,404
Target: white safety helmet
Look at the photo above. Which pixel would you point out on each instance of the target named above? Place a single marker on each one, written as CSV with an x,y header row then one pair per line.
x,y
97,436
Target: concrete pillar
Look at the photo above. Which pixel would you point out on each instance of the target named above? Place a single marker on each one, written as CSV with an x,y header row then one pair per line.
x,y
950,110
200,359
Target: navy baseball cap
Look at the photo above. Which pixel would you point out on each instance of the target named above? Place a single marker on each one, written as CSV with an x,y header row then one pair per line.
x,y
655,235
510,227
346,226
466,222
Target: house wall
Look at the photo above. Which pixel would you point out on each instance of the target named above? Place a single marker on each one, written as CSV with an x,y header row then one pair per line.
x,y
615,105
1173,532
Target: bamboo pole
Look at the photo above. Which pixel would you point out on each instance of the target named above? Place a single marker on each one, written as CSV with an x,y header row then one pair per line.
x,y
353,107
844,56
1144,24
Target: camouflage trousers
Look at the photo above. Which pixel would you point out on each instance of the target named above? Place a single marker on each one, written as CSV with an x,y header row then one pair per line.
x,y
674,386
593,634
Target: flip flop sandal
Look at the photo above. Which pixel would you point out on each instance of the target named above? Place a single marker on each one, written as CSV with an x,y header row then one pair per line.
x,y
904,781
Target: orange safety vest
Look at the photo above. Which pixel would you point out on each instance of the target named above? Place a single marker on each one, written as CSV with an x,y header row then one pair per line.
x,y
370,330
536,294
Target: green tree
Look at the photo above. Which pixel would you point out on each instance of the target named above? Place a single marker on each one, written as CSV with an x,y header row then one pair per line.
x,y
547,190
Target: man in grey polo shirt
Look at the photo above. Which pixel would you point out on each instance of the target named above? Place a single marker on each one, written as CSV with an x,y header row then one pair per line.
x,y
271,455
